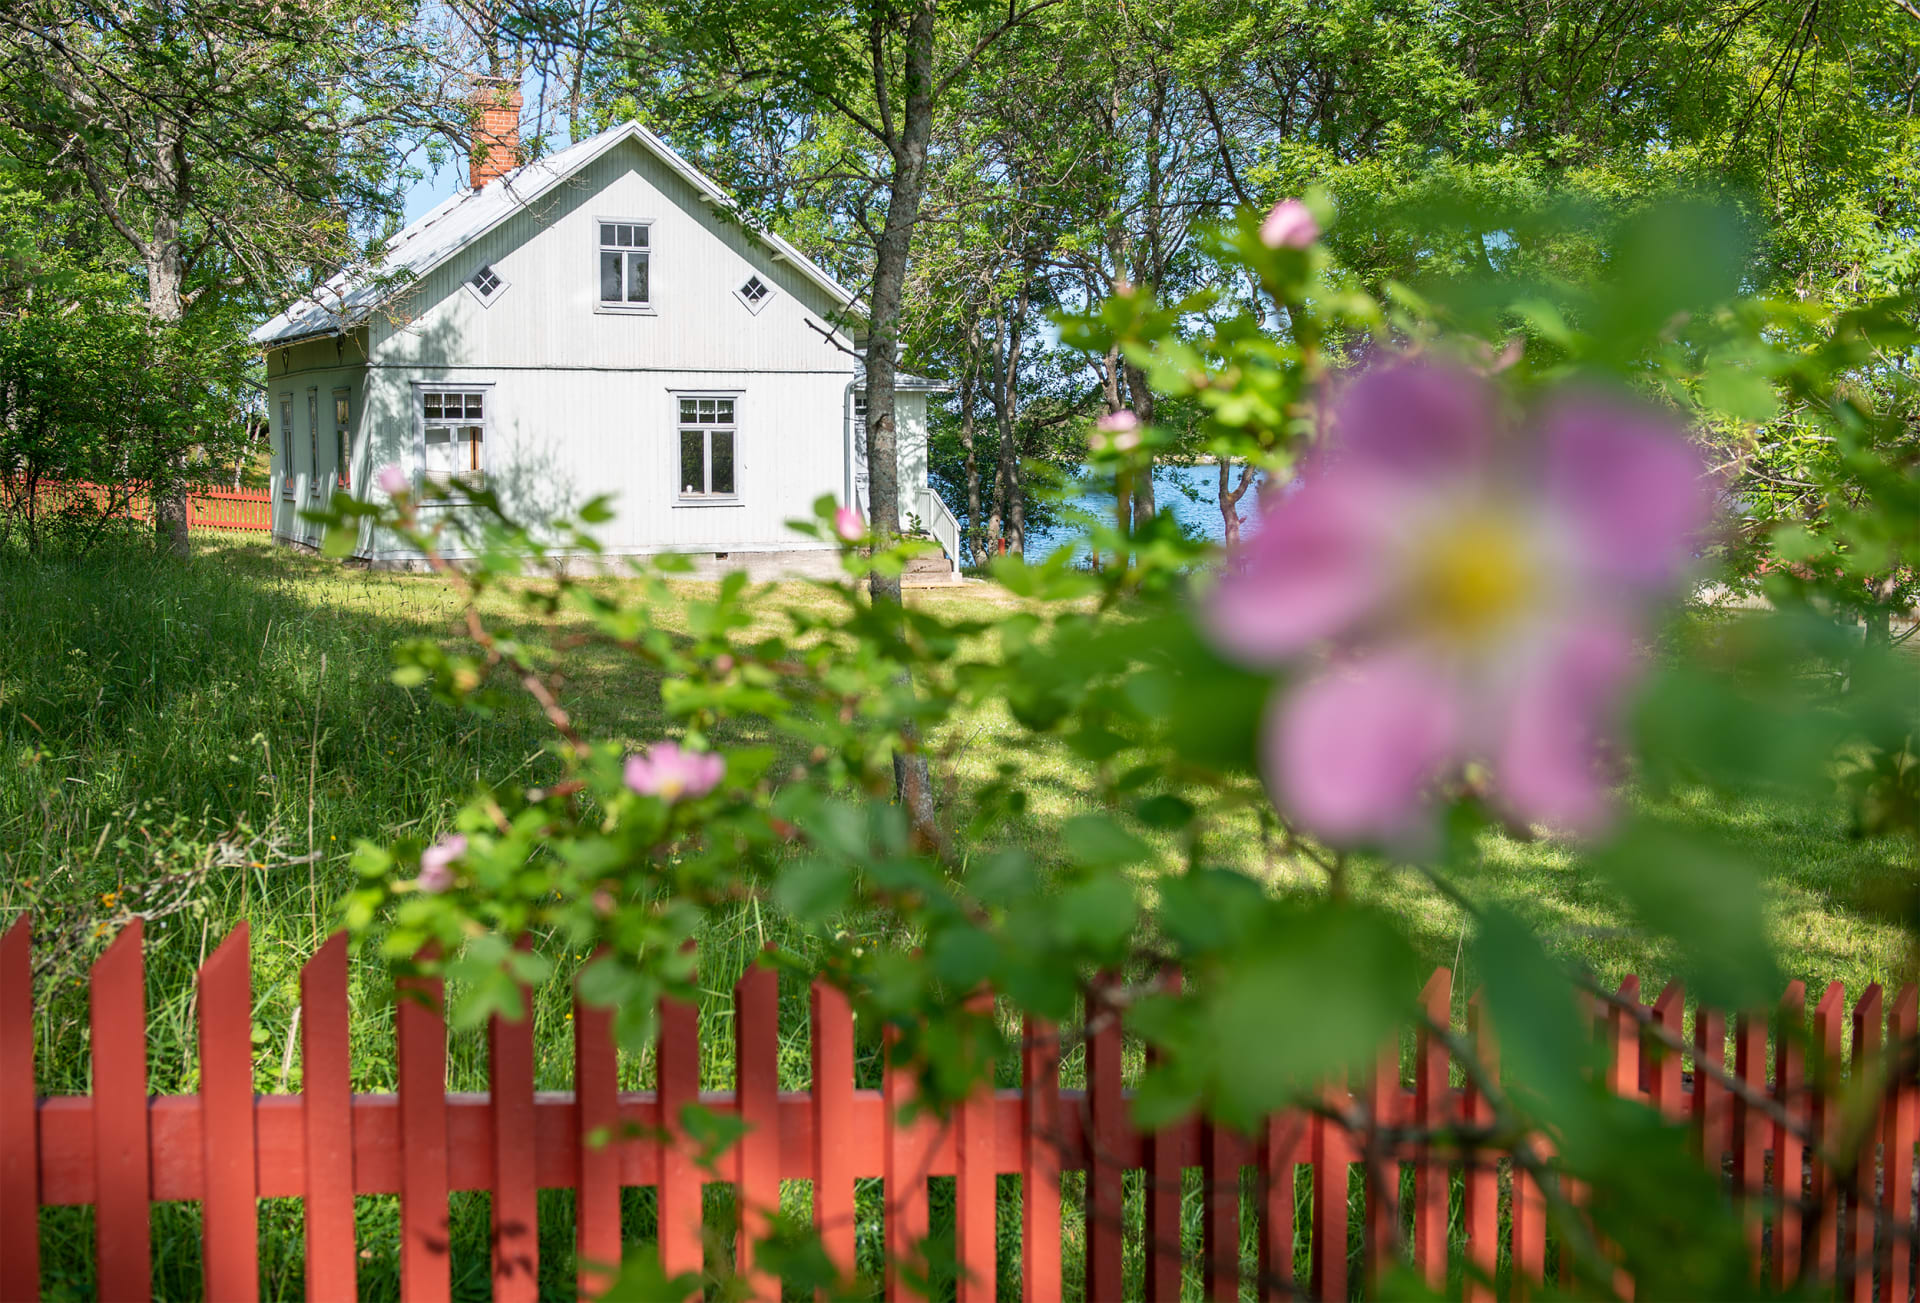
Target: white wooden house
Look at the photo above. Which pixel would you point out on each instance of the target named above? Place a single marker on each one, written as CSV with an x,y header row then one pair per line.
x,y
597,321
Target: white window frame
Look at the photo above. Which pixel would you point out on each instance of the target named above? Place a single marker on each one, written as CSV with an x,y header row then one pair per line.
x,y
680,497
313,443
421,388
287,480
622,307
343,439
740,292
501,285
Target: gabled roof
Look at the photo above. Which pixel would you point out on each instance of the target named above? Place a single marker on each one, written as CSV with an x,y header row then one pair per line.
x,y
347,297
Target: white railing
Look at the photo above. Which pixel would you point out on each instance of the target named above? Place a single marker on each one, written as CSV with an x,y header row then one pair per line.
x,y
942,524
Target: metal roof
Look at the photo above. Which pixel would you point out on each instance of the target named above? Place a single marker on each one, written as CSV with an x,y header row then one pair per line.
x,y
347,297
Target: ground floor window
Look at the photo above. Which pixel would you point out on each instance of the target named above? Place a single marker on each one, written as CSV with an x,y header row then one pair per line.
x,y
286,446
707,449
453,433
343,437
313,443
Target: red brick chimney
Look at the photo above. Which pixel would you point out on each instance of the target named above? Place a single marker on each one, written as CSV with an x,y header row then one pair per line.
x,y
496,130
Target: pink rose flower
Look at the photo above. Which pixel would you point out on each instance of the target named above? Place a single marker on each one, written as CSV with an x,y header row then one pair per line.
x,y
848,525
1289,225
436,862
1117,431
1449,593
392,480
672,774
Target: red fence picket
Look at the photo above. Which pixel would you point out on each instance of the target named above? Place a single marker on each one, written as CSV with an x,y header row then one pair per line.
x,y
326,1089
227,1147
20,1153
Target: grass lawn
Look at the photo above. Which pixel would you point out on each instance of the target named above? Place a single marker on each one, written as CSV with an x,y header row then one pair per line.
x,y
208,740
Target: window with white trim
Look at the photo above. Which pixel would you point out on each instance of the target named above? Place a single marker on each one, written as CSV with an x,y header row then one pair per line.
x,y
313,442
286,446
625,250
453,434
756,294
708,450
343,437
486,285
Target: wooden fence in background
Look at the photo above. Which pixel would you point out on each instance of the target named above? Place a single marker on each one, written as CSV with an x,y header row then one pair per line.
x,y
121,1150
250,510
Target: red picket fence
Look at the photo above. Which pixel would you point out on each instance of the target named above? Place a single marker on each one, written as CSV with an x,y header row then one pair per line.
x,y
240,509
120,1150
249,510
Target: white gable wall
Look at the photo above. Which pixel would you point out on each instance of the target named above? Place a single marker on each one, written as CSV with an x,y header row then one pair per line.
x,y
549,317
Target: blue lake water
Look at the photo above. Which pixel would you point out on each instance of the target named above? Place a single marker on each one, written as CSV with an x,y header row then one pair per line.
x,y
1192,493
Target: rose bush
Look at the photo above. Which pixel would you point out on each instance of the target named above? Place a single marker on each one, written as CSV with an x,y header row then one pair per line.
x,y
1463,604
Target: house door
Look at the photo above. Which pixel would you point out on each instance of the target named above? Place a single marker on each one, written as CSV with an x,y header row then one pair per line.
x,y
860,455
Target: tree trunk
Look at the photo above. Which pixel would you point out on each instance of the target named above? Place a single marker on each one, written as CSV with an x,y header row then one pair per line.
x,y
169,493
912,782
1144,505
165,306
1110,387
1008,509
1016,502
1230,500
971,544
1879,617
997,526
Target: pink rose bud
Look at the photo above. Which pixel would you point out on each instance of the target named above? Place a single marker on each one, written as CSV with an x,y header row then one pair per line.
x,y
436,862
603,902
392,480
848,525
666,771
723,664
1289,226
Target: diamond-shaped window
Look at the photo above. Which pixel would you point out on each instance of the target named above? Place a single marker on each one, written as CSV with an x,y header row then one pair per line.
x,y
754,290
486,285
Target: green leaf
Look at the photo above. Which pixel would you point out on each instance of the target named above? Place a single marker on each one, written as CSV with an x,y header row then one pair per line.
x,y
340,540
608,982
1001,877
1546,1045
1164,811
1274,1025
642,1280
814,889
1098,913
1708,901
1096,841
961,956
1740,393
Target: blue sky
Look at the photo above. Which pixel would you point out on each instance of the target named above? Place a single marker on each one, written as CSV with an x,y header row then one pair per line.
x,y
432,188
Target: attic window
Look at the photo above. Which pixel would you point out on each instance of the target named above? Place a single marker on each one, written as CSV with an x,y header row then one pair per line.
x,y
486,285
755,294
625,255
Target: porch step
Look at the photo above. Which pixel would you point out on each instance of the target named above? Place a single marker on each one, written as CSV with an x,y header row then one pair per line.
x,y
930,572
